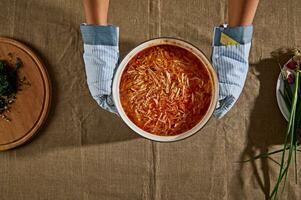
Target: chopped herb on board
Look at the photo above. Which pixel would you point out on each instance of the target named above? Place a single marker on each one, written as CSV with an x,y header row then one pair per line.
x,y
9,83
8,79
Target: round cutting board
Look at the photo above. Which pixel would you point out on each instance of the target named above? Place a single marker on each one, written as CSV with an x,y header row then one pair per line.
x,y
29,111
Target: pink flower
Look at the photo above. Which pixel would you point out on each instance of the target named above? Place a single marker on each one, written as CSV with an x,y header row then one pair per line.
x,y
291,64
290,78
288,71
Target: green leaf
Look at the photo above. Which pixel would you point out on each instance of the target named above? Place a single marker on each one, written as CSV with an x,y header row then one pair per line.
x,y
287,101
263,155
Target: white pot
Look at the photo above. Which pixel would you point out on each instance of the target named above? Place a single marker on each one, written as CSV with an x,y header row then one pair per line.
x,y
155,42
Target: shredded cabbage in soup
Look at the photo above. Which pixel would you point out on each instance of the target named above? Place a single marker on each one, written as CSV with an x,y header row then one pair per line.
x,y
165,90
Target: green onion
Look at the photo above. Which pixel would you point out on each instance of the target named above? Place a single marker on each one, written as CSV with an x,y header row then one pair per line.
x,y
292,98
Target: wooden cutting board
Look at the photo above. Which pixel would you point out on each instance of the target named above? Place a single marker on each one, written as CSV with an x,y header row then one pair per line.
x,y
32,104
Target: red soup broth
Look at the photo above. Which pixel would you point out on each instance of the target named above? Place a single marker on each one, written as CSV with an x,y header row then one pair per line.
x,y
166,90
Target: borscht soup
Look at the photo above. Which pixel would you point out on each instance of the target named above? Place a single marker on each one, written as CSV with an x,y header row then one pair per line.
x,y
166,90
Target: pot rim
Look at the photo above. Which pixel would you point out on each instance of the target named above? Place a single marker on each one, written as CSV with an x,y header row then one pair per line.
x,y
155,42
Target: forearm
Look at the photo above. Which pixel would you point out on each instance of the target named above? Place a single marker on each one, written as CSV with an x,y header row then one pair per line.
x,y
101,52
101,56
241,12
96,11
231,52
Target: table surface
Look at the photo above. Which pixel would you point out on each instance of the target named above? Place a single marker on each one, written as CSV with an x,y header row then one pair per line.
x,y
84,152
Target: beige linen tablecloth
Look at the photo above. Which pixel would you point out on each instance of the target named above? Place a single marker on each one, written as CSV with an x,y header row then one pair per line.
x,y
86,153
